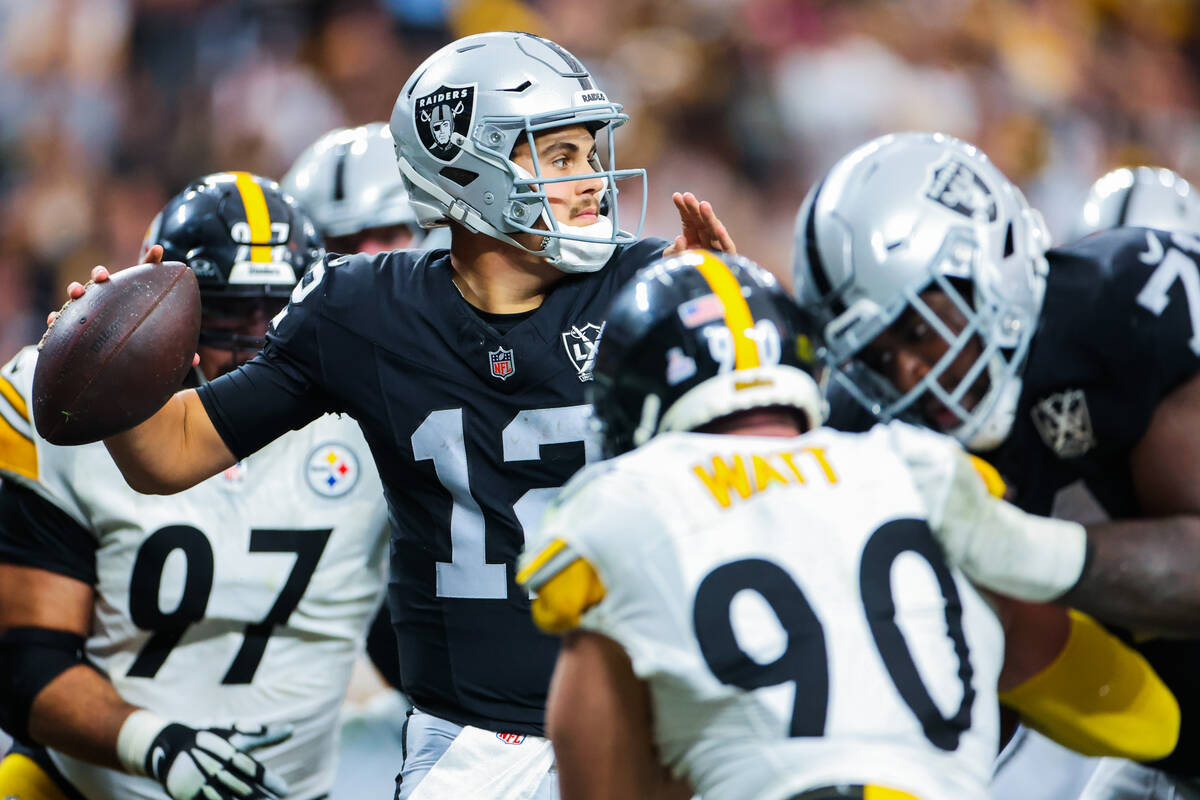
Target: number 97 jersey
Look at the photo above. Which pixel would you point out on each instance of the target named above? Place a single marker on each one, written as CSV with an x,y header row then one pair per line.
x,y
243,599
787,606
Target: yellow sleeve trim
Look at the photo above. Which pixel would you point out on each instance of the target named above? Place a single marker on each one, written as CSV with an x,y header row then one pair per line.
x,y
561,601
529,573
18,453
10,393
991,478
1100,698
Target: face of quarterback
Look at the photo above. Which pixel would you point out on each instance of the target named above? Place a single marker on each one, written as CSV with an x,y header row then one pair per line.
x,y
910,348
570,150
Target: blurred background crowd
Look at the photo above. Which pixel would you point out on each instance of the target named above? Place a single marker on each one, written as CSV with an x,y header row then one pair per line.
x,y
108,107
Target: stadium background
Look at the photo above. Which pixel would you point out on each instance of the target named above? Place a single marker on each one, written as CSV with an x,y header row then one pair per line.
x,y
108,107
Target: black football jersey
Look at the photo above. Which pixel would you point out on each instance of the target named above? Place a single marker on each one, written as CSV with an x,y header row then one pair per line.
x,y
473,430
1119,330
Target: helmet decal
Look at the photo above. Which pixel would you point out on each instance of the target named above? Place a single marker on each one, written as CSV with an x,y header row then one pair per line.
x,y
957,187
440,114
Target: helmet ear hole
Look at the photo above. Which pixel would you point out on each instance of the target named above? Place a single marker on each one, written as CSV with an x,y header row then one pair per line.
x,y
463,177
1009,247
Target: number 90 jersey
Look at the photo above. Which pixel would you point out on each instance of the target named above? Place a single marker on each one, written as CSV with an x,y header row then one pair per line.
x,y
787,606
244,598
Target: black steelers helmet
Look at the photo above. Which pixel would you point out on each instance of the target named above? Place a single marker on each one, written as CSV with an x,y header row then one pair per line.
x,y
247,242
693,338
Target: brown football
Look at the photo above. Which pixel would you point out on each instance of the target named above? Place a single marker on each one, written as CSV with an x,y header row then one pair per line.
x,y
116,355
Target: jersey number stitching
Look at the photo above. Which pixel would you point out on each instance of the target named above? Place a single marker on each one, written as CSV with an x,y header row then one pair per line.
x,y
168,628
804,660
1174,266
441,438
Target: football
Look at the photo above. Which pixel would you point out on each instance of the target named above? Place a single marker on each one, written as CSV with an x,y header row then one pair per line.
x,y
114,356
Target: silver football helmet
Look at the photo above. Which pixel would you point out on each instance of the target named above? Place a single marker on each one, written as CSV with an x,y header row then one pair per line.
x,y
905,213
348,181
1146,197
457,120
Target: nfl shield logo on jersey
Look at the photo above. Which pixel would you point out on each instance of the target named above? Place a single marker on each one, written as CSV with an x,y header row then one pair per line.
x,y
332,469
1064,423
502,363
580,343
511,738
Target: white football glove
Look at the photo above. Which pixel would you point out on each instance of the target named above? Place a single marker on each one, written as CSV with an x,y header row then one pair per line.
x,y
999,546
208,764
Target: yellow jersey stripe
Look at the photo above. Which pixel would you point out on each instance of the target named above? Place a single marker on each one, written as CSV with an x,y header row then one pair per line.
x,y
257,216
738,318
18,453
10,393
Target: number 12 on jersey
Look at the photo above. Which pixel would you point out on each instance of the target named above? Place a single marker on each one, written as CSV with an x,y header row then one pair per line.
x,y
441,438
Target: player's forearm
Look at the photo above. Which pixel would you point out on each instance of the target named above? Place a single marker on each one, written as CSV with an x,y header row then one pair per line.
x,y
1142,574
80,714
173,450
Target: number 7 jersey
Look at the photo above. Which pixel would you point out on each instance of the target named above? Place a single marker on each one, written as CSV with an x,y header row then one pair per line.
x,y
243,599
786,604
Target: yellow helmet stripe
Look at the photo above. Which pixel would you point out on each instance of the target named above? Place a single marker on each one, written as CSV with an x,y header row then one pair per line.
x,y
737,313
257,216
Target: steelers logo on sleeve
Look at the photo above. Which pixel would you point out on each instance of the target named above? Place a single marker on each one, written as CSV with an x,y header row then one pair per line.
x,y
332,469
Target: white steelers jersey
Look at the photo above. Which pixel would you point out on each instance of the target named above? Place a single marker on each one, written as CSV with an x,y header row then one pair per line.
x,y
244,599
789,610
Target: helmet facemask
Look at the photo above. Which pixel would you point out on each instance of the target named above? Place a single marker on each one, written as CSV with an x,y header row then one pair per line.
x,y
1003,331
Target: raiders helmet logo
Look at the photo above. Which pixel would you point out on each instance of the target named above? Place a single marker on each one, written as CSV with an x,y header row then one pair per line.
x,y
440,115
954,185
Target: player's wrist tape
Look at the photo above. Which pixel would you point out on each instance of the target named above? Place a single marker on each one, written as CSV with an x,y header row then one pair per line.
x,y
137,735
1025,556
30,659
1100,698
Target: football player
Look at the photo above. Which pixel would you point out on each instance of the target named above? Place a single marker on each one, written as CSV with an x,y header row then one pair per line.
x,y
348,181
150,643
466,370
753,604
1074,370
1144,197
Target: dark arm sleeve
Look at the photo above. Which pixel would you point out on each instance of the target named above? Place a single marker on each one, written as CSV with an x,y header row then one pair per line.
x,y
36,533
281,388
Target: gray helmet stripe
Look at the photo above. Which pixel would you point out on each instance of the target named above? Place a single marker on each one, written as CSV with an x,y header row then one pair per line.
x,y
339,172
1123,213
573,64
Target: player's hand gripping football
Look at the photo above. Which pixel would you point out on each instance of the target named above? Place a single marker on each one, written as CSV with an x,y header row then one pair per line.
x,y
701,228
100,274
208,764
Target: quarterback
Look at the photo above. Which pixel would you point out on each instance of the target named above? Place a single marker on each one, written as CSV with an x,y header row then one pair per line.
x,y
150,643
757,613
466,370
934,297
